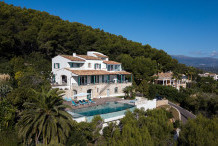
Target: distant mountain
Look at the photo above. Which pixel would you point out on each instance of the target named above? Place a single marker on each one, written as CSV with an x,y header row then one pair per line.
x,y
206,63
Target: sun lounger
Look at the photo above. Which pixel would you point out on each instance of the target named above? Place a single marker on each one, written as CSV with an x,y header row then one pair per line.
x,y
74,104
82,103
91,101
85,102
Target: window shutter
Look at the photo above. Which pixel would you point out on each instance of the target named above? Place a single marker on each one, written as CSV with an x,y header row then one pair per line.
x,y
58,65
54,78
54,65
102,78
100,66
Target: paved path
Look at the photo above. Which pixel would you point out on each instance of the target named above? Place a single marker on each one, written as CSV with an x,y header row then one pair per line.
x,y
185,115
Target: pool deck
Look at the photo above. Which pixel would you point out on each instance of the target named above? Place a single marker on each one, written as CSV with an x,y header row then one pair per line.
x,y
98,101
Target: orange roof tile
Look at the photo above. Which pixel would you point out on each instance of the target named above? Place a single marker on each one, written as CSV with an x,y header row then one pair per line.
x,y
100,55
167,75
72,58
121,72
89,72
97,72
111,62
89,57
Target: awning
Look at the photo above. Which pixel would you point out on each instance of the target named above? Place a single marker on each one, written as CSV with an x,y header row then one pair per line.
x,y
67,99
81,94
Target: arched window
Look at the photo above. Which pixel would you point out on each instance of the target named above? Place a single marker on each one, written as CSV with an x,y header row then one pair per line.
x,y
74,93
89,65
89,94
64,79
116,90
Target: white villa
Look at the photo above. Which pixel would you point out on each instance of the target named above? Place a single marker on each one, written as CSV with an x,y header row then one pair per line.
x,y
168,80
92,75
212,75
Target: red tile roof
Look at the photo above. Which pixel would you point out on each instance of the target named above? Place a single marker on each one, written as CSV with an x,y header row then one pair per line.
x,y
89,57
120,72
89,72
167,75
111,62
72,58
100,55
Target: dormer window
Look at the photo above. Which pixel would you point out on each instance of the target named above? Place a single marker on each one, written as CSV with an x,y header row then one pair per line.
x,y
117,67
74,65
56,65
97,66
110,67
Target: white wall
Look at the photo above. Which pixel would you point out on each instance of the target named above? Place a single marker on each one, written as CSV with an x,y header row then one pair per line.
x,y
91,53
146,104
58,73
63,62
93,62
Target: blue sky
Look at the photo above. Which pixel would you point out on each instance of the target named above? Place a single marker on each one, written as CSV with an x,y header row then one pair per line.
x,y
180,27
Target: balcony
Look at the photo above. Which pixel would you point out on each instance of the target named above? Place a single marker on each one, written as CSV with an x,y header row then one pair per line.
x,y
106,82
57,84
62,86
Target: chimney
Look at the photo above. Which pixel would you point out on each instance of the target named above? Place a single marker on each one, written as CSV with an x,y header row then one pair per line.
x,y
74,54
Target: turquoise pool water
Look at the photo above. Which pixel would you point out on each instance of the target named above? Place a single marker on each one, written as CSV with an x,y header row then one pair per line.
x,y
108,110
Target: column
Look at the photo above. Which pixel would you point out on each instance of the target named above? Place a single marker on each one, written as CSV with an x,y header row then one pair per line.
x,y
121,78
108,78
94,79
117,78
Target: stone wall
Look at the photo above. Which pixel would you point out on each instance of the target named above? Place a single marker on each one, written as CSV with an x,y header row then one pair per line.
x,y
99,90
162,102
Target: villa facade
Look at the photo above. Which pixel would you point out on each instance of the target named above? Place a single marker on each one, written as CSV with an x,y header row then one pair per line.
x,y
212,75
167,79
92,75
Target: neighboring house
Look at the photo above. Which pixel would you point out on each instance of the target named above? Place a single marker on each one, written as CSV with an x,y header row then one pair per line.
x,y
213,75
168,80
92,74
4,77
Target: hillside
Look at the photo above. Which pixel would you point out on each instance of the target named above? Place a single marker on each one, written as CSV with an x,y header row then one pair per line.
x,y
205,63
24,31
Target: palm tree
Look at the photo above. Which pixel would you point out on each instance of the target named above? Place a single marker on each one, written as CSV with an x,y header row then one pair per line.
x,y
191,72
129,92
177,77
45,119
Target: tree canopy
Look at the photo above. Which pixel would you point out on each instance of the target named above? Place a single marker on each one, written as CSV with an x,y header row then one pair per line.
x,y
26,30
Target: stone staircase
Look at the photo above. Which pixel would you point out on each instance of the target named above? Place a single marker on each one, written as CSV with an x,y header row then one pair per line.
x,y
105,87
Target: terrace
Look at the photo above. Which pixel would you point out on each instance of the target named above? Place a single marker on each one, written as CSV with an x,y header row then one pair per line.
x,y
99,101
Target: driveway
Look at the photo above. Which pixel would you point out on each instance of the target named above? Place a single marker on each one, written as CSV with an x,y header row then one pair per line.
x,y
185,115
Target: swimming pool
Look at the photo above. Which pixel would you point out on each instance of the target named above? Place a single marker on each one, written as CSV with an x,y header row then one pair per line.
x,y
107,110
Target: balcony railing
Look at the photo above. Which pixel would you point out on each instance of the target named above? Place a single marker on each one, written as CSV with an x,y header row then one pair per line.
x,y
57,84
96,83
